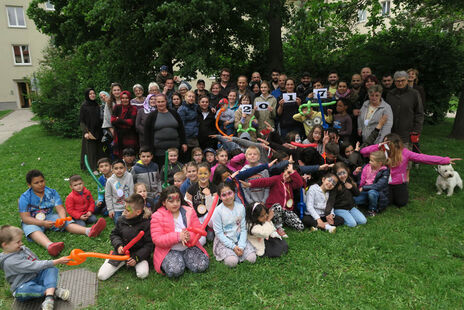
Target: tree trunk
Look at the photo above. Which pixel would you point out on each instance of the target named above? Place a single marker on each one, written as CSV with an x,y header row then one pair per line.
x,y
275,53
458,126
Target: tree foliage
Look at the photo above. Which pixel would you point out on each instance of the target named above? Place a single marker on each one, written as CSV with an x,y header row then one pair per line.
x,y
321,38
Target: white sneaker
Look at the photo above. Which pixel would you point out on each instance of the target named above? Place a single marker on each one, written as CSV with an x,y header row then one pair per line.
x,y
62,293
331,229
48,304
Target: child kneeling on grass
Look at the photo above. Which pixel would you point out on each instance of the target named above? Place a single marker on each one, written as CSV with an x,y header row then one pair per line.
x,y
317,213
36,210
135,218
231,244
170,235
28,276
262,233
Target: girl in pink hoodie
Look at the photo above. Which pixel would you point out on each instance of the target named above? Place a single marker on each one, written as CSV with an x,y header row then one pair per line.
x,y
398,159
170,235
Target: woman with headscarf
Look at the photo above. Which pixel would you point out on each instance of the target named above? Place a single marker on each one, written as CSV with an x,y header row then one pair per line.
x,y
149,105
123,121
90,122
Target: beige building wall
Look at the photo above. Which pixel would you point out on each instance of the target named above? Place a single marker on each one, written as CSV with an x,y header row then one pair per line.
x,y
13,76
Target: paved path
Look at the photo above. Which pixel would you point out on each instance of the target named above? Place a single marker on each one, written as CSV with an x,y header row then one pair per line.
x,y
14,122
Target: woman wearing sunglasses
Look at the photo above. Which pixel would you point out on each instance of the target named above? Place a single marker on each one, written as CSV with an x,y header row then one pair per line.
x,y
229,223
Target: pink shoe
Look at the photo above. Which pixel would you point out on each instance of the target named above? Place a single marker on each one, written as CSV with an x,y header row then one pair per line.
x,y
96,229
55,248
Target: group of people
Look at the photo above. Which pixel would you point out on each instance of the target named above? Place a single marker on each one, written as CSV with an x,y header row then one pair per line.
x,y
259,156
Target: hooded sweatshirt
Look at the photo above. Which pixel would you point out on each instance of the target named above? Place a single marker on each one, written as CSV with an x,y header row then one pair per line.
x,y
22,266
116,190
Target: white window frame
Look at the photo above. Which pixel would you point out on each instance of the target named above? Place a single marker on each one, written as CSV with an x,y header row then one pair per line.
x,y
386,5
362,16
16,16
49,6
22,55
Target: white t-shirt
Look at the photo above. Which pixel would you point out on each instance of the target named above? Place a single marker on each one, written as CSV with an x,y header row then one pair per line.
x,y
178,227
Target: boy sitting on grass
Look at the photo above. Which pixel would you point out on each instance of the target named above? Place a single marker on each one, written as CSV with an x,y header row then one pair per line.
x,y
36,210
79,203
146,171
28,276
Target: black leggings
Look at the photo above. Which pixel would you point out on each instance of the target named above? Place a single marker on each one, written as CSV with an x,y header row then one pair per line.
x,y
275,247
399,194
308,221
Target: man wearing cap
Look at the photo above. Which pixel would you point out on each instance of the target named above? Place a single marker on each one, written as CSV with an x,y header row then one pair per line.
x,y
162,76
201,90
305,87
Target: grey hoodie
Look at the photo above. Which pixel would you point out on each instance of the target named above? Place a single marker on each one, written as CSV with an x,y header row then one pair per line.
x,y
22,266
116,190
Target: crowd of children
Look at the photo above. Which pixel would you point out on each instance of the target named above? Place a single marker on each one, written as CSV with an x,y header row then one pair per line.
x,y
314,178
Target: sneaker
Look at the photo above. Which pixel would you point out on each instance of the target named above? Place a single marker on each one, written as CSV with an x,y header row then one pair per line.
x,y
55,248
48,304
331,229
96,229
282,232
313,229
62,293
372,213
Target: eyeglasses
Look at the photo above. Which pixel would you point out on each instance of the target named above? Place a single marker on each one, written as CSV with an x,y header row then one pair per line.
x,y
173,198
332,181
342,172
401,81
227,194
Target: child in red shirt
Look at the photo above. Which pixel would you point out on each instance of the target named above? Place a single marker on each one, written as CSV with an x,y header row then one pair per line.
x,y
79,203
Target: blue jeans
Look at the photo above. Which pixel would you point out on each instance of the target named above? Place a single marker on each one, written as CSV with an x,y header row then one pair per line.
x,y
352,217
92,219
117,214
369,198
36,287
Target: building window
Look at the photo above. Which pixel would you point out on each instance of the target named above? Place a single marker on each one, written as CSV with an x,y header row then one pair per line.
x,y
386,8
362,16
16,16
21,55
49,6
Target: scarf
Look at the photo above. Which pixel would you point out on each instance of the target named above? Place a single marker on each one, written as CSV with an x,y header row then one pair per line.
x,y
147,108
346,94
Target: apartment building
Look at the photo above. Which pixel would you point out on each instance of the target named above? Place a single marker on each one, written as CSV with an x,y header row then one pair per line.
x,y
21,50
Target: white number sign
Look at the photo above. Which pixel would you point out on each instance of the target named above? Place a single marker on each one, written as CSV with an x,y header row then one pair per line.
x,y
246,108
262,106
321,91
289,97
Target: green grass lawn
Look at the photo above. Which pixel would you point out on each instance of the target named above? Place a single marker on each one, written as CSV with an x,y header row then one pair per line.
x,y
404,258
4,113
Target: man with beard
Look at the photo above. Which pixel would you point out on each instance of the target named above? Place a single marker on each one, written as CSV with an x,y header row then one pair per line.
x,y
281,89
305,87
333,81
274,80
387,84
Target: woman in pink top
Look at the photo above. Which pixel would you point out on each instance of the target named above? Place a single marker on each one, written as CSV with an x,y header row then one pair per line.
x,y
170,235
398,159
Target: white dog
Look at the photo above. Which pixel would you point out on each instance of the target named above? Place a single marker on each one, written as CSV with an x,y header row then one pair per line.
x,y
447,179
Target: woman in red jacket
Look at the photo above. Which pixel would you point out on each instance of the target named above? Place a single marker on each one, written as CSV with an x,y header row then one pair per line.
x,y
170,235
281,197
123,121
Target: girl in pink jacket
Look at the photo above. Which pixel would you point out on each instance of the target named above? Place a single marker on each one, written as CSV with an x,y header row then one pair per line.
x,y
398,159
169,234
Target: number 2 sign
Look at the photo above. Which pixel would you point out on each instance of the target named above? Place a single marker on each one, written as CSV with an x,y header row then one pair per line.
x,y
246,108
321,91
